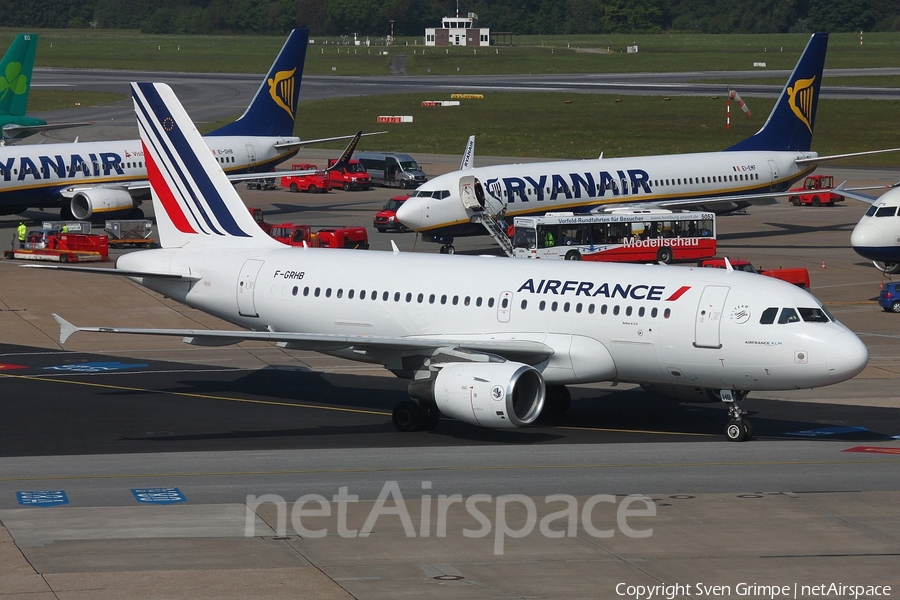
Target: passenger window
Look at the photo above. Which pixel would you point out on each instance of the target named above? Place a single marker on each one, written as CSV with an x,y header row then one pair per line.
x,y
444,299
788,315
768,316
408,296
306,291
616,309
362,294
603,310
317,292
627,311
653,312
524,304
503,304
542,305
578,307
591,308
328,292
490,303
554,305
419,298
385,296
396,296
340,293
468,300
641,311
431,299
667,313
295,290
566,307
455,300
478,301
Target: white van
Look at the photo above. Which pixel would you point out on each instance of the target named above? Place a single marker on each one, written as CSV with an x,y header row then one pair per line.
x,y
392,169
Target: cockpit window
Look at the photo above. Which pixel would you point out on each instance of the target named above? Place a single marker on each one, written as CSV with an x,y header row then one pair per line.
x,y
422,194
788,315
828,314
768,316
886,211
813,315
443,194
871,211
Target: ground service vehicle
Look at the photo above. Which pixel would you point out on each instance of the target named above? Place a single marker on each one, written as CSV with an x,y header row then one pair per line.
x,y
889,297
263,183
329,237
799,276
131,232
815,192
62,247
617,236
313,182
391,169
386,218
351,176
260,218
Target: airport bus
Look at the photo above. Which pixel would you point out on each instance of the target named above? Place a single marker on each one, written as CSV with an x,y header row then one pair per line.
x,y
617,236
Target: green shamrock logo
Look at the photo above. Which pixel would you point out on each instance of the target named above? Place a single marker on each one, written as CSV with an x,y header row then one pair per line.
x,y
14,80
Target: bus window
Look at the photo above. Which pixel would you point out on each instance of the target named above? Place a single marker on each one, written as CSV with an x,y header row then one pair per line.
x,y
524,238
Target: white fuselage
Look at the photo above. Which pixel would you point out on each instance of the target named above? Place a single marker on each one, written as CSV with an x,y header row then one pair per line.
x,y
637,323
536,188
877,235
39,176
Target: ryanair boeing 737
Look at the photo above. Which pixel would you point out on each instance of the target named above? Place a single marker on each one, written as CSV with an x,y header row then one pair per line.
x,y
486,341
467,201
99,179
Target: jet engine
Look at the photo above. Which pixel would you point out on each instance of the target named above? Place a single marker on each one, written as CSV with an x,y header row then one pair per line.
x,y
684,393
100,200
500,395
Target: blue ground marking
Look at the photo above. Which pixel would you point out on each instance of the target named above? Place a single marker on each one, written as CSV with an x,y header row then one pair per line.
x,y
827,431
42,498
170,495
96,367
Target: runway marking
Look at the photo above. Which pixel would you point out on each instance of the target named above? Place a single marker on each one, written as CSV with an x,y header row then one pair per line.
x,y
484,468
636,431
125,388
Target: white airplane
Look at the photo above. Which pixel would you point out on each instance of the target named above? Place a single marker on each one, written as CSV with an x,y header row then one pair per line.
x,y
877,234
463,203
100,179
484,340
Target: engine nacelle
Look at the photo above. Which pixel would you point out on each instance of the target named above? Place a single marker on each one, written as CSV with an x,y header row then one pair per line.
x,y
684,393
888,268
99,202
501,395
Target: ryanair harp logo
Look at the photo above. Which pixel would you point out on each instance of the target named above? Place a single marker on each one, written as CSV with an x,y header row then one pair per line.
x,y
800,99
281,88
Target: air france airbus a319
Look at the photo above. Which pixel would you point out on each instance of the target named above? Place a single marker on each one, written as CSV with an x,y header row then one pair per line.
x,y
464,202
102,179
488,341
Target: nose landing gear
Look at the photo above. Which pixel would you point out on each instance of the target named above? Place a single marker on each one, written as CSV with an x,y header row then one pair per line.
x,y
737,429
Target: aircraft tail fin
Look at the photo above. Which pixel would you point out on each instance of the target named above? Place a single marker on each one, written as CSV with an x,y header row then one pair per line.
x,y
791,122
347,154
193,200
273,110
16,67
468,157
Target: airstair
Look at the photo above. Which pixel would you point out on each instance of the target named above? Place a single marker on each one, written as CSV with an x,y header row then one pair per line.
x,y
496,231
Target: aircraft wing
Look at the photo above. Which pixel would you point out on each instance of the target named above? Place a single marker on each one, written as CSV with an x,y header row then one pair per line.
x,y
322,140
527,351
13,130
113,271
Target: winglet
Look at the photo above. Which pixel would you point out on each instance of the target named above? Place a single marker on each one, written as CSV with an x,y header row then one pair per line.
x,y
395,248
728,264
468,158
66,329
347,153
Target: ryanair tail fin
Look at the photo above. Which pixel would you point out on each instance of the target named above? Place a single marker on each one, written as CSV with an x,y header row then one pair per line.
x,y
16,68
790,125
193,200
347,154
273,110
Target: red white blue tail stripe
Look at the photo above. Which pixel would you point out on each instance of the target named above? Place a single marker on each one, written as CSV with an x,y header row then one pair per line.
x,y
187,183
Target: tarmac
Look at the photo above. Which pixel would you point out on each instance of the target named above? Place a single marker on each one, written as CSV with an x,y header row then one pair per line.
x,y
778,511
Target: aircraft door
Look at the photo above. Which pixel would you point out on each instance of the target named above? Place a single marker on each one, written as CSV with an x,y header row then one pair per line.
x,y
246,287
471,193
774,168
251,157
709,317
504,306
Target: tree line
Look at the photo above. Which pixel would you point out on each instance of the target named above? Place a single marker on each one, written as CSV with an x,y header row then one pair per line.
x,y
411,17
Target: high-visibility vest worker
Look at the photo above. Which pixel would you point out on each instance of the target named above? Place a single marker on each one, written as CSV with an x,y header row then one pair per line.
x,y
23,232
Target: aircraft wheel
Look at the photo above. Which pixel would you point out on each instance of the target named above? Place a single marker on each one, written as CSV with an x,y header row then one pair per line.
x,y
408,416
748,425
448,249
895,307
736,431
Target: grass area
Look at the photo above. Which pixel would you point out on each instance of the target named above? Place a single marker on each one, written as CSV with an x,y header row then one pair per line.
x,y
887,81
123,49
44,100
557,125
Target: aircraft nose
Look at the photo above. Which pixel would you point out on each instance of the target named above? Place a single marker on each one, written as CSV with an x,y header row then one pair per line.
x,y
846,356
410,214
867,235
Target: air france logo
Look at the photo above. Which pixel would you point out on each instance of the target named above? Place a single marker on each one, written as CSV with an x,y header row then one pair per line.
x,y
800,99
497,392
606,290
281,88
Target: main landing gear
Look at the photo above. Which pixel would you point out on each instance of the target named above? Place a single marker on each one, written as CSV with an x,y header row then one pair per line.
x,y
557,400
448,249
738,429
410,415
